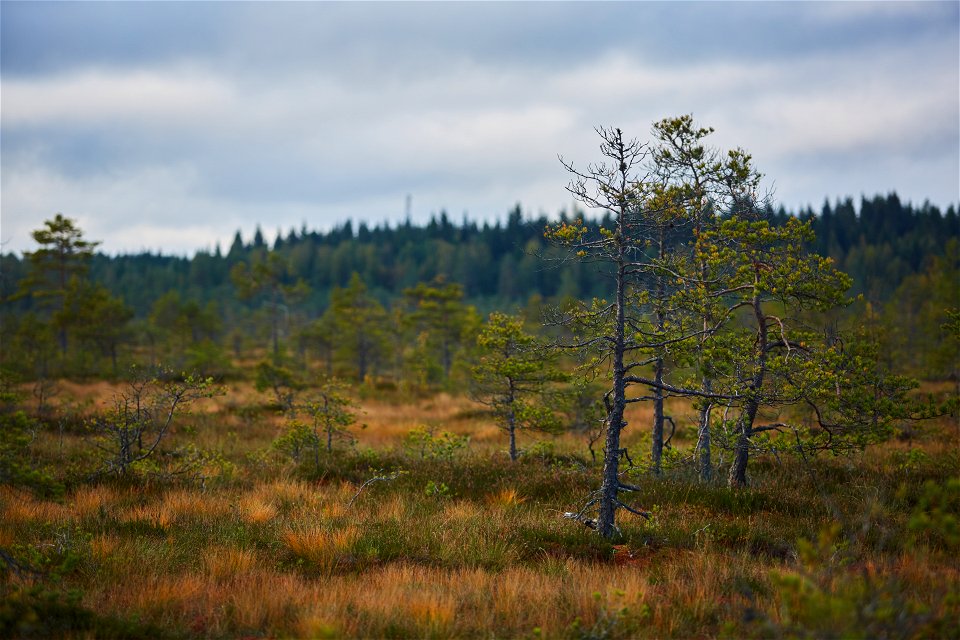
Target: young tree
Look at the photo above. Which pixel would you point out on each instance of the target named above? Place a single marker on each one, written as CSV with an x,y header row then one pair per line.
x,y
269,278
767,273
331,411
99,320
438,316
707,185
63,254
606,331
320,335
512,376
140,420
359,322
17,435
657,199
282,382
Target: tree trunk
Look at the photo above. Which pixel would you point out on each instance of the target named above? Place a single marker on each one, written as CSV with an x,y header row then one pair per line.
x,y
741,452
606,517
703,426
657,446
703,438
361,362
447,358
512,429
657,436
275,329
316,450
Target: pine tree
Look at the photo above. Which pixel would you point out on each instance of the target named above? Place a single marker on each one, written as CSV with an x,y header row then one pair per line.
x,y
513,377
63,254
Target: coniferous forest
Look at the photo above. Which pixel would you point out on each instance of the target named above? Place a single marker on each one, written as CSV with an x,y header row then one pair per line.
x,y
898,256
675,410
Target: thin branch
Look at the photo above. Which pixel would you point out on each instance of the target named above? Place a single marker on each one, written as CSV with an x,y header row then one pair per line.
x,y
385,478
644,514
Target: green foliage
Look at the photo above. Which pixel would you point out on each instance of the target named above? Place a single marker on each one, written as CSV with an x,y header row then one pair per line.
x,y
437,490
924,317
936,517
441,325
18,467
427,444
39,611
314,424
79,312
269,279
98,320
824,597
513,377
63,253
29,346
282,381
184,335
358,321
296,441
208,358
131,433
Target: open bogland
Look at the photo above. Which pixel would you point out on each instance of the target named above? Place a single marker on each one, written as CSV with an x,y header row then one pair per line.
x,y
464,543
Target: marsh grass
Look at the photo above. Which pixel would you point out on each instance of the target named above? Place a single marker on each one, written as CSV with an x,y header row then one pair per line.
x,y
280,551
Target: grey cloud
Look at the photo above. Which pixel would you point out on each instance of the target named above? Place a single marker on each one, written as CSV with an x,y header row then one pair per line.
x,y
220,115
421,37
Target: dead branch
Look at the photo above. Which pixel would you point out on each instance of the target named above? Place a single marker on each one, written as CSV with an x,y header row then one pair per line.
x,y
384,478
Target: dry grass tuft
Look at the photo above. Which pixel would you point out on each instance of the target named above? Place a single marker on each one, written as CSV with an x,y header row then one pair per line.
x,y
166,595
320,548
255,510
19,507
191,504
461,511
104,546
505,498
149,513
226,563
91,501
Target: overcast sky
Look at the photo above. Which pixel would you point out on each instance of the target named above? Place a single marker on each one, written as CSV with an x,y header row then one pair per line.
x,y
172,125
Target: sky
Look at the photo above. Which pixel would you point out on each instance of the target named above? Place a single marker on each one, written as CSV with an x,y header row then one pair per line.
x,y
171,126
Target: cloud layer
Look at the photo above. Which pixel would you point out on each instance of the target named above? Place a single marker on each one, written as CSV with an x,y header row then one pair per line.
x,y
170,126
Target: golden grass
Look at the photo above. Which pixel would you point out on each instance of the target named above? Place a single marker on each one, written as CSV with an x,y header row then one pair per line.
x,y
505,498
166,595
393,507
104,546
21,507
284,493
388,423
236,594
320,547
461,511
177,507
226,563
91,501
255,510
274,556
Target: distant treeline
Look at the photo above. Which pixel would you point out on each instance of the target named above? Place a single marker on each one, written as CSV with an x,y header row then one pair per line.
x,y
879,244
